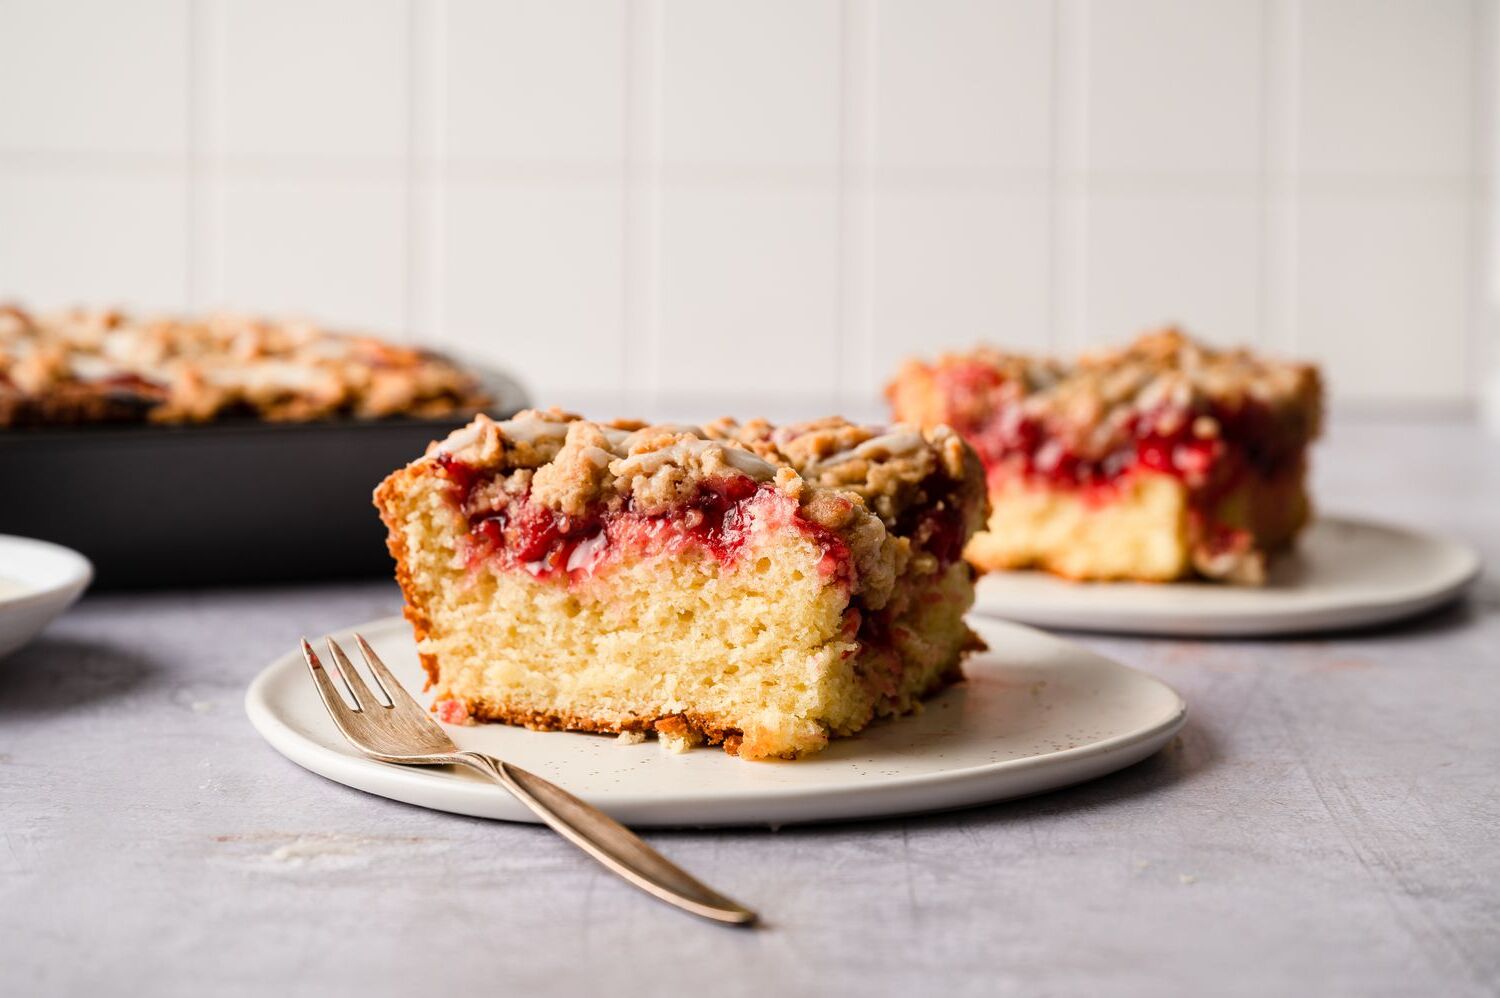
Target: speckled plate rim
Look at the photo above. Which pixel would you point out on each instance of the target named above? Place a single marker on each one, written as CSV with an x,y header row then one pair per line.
x,y
1335,592
282,689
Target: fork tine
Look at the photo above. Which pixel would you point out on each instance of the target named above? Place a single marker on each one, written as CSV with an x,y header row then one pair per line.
x,y
362,696
332,699
389,684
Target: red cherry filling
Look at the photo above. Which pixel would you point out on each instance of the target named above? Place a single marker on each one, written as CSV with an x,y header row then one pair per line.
x,y
130,382
937,527
518,533
1211,460
1011,444
464,476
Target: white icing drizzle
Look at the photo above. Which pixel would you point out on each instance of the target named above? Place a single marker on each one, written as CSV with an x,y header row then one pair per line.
x,y
629,440
690,443
650,462
587,554
464,436
87,367
900,439
597,456
268,375
530,429
750,464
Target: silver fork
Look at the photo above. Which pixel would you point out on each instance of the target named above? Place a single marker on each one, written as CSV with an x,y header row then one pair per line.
x,y
398,730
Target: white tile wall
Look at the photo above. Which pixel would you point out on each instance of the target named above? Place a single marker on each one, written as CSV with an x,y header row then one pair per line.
x,y
934,59
1386,88
1174,87
533,281
107,237
1184,257
319,246
1387,195
636,200
83,76
952,268
749,85
301,79
535,81
749,290
1382,284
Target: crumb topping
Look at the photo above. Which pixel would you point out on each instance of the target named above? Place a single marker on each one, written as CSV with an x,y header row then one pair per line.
x,y
1095,404
576,464
862,484
98,365
892,468
925,485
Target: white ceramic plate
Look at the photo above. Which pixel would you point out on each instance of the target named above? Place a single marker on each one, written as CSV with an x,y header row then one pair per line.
x,y
1344,573
38,581
1036,713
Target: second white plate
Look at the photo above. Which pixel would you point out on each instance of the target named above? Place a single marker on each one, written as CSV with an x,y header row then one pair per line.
x,y
1344,573
1036,713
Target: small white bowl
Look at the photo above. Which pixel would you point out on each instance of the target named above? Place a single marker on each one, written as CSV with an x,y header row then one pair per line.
x,y
38,581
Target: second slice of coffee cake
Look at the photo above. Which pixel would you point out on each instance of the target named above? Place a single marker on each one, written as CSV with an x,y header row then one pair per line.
x,y
1165,460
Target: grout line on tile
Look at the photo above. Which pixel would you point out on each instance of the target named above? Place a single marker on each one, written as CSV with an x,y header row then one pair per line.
x,y
846,269
641,328
855,348
432,179
205,217
1282,186
192,279
628,84
655,103
1054,170
1070,183
410,209
1081,222
425,185
559,173
1479,359
1265,67
1292,121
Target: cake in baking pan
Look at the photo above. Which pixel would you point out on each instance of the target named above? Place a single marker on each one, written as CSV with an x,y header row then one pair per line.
x,y
85,366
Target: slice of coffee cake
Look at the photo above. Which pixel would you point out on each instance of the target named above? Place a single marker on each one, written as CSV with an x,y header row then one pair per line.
x,y
755,587
1165,460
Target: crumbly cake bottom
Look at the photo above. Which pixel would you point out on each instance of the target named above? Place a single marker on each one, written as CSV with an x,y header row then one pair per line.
x,y
1145,528
678,732
766,656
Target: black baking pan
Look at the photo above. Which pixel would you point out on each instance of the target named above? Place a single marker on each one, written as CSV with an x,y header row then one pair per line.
x,y
225,502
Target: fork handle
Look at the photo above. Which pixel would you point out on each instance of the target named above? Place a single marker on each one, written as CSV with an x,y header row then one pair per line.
x,y
609,842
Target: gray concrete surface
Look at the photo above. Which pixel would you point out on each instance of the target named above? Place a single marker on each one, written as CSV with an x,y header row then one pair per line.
x,y
1326,824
